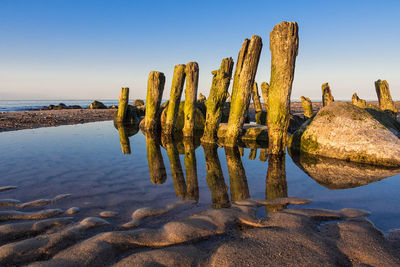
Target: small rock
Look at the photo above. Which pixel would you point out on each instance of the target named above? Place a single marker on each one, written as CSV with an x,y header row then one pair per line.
x,y
108,214
72,210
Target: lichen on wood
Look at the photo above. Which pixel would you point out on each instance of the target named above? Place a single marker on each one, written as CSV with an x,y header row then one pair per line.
x,y
284,42
216,100
327,96
123,104
246,69
192,80
384,96
307,107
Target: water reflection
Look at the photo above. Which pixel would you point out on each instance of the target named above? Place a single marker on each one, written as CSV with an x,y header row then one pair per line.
x,y
237,176
192,188
157,172
275,183
340,174
125,131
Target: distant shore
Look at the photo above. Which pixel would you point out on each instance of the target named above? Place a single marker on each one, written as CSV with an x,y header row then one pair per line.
x,y
19,120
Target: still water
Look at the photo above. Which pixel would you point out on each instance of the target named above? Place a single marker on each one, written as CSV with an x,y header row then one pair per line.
x,y
92,162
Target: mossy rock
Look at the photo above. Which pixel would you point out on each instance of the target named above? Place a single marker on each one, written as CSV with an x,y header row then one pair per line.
x,y
138,102
198,123
250,132
97,105
347,132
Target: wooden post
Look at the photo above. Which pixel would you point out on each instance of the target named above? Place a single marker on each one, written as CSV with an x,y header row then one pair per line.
x,y
275,184
253,154
243,83
264,92
256,98
307,107
327,97
284,42
174,99
263,154
384,97
215,177
192,186
355,100
176,167
216,100
155,89
192,73
237,176
155,160
123,104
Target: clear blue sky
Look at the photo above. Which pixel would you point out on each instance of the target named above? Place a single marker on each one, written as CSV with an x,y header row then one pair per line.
x,y
67,49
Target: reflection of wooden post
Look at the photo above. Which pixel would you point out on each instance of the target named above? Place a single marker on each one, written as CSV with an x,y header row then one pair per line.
x,y
256,98
307,107
155,89
155,160
176,168
237,176
243,82
384,97
174,99
276,185
123,104
327,97
124,139
216,100
191,170
192,80
284,42
253,154
355,100
241,151
215,177
263,155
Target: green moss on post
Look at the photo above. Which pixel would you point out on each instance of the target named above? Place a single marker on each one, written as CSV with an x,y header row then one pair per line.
x,y
155,89
243,83
356,101
275,184
192,73
327,96
264,92
284,42
307,107
237,176
192,185
384,96
215,177
216,100
155,160
174,99
123,104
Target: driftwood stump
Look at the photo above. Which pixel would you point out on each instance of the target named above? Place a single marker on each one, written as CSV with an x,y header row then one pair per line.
x,y
256,98
307,107
174,99
216,100
155,89
284,42
123,104
384,97
246,69
356,101
327,96
192,80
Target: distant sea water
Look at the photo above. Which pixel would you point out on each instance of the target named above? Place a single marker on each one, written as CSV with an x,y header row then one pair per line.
x,y
24,105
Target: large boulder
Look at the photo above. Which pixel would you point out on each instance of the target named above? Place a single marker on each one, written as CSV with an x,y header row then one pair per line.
x,y
97,105
180,120
344,131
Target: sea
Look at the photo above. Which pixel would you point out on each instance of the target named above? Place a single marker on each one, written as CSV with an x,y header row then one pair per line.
x,y
25,105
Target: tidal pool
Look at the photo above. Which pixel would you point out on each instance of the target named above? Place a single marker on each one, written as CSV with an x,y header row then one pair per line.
x,y
106,170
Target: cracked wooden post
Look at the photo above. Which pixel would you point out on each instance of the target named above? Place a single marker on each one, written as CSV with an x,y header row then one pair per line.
x,y
256,98
327,96
384,97
123,104
176,167
216,100
307,107
192,80
155,89
192,185
237,176
215,177
284,42
246,69
174,99
276,184
356,101
155,160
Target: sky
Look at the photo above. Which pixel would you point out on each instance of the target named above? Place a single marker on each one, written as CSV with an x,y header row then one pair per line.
x,y
70,49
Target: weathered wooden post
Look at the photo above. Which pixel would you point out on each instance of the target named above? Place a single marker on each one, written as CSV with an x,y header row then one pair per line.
x,y
155,160
264,92
243,82
307,107
192,80
275,184
123,104
355,100
256,98
284,43
253,154
237,176
176,167
263,154
384,97
327,96
216,100
155,89
192,185
174,99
